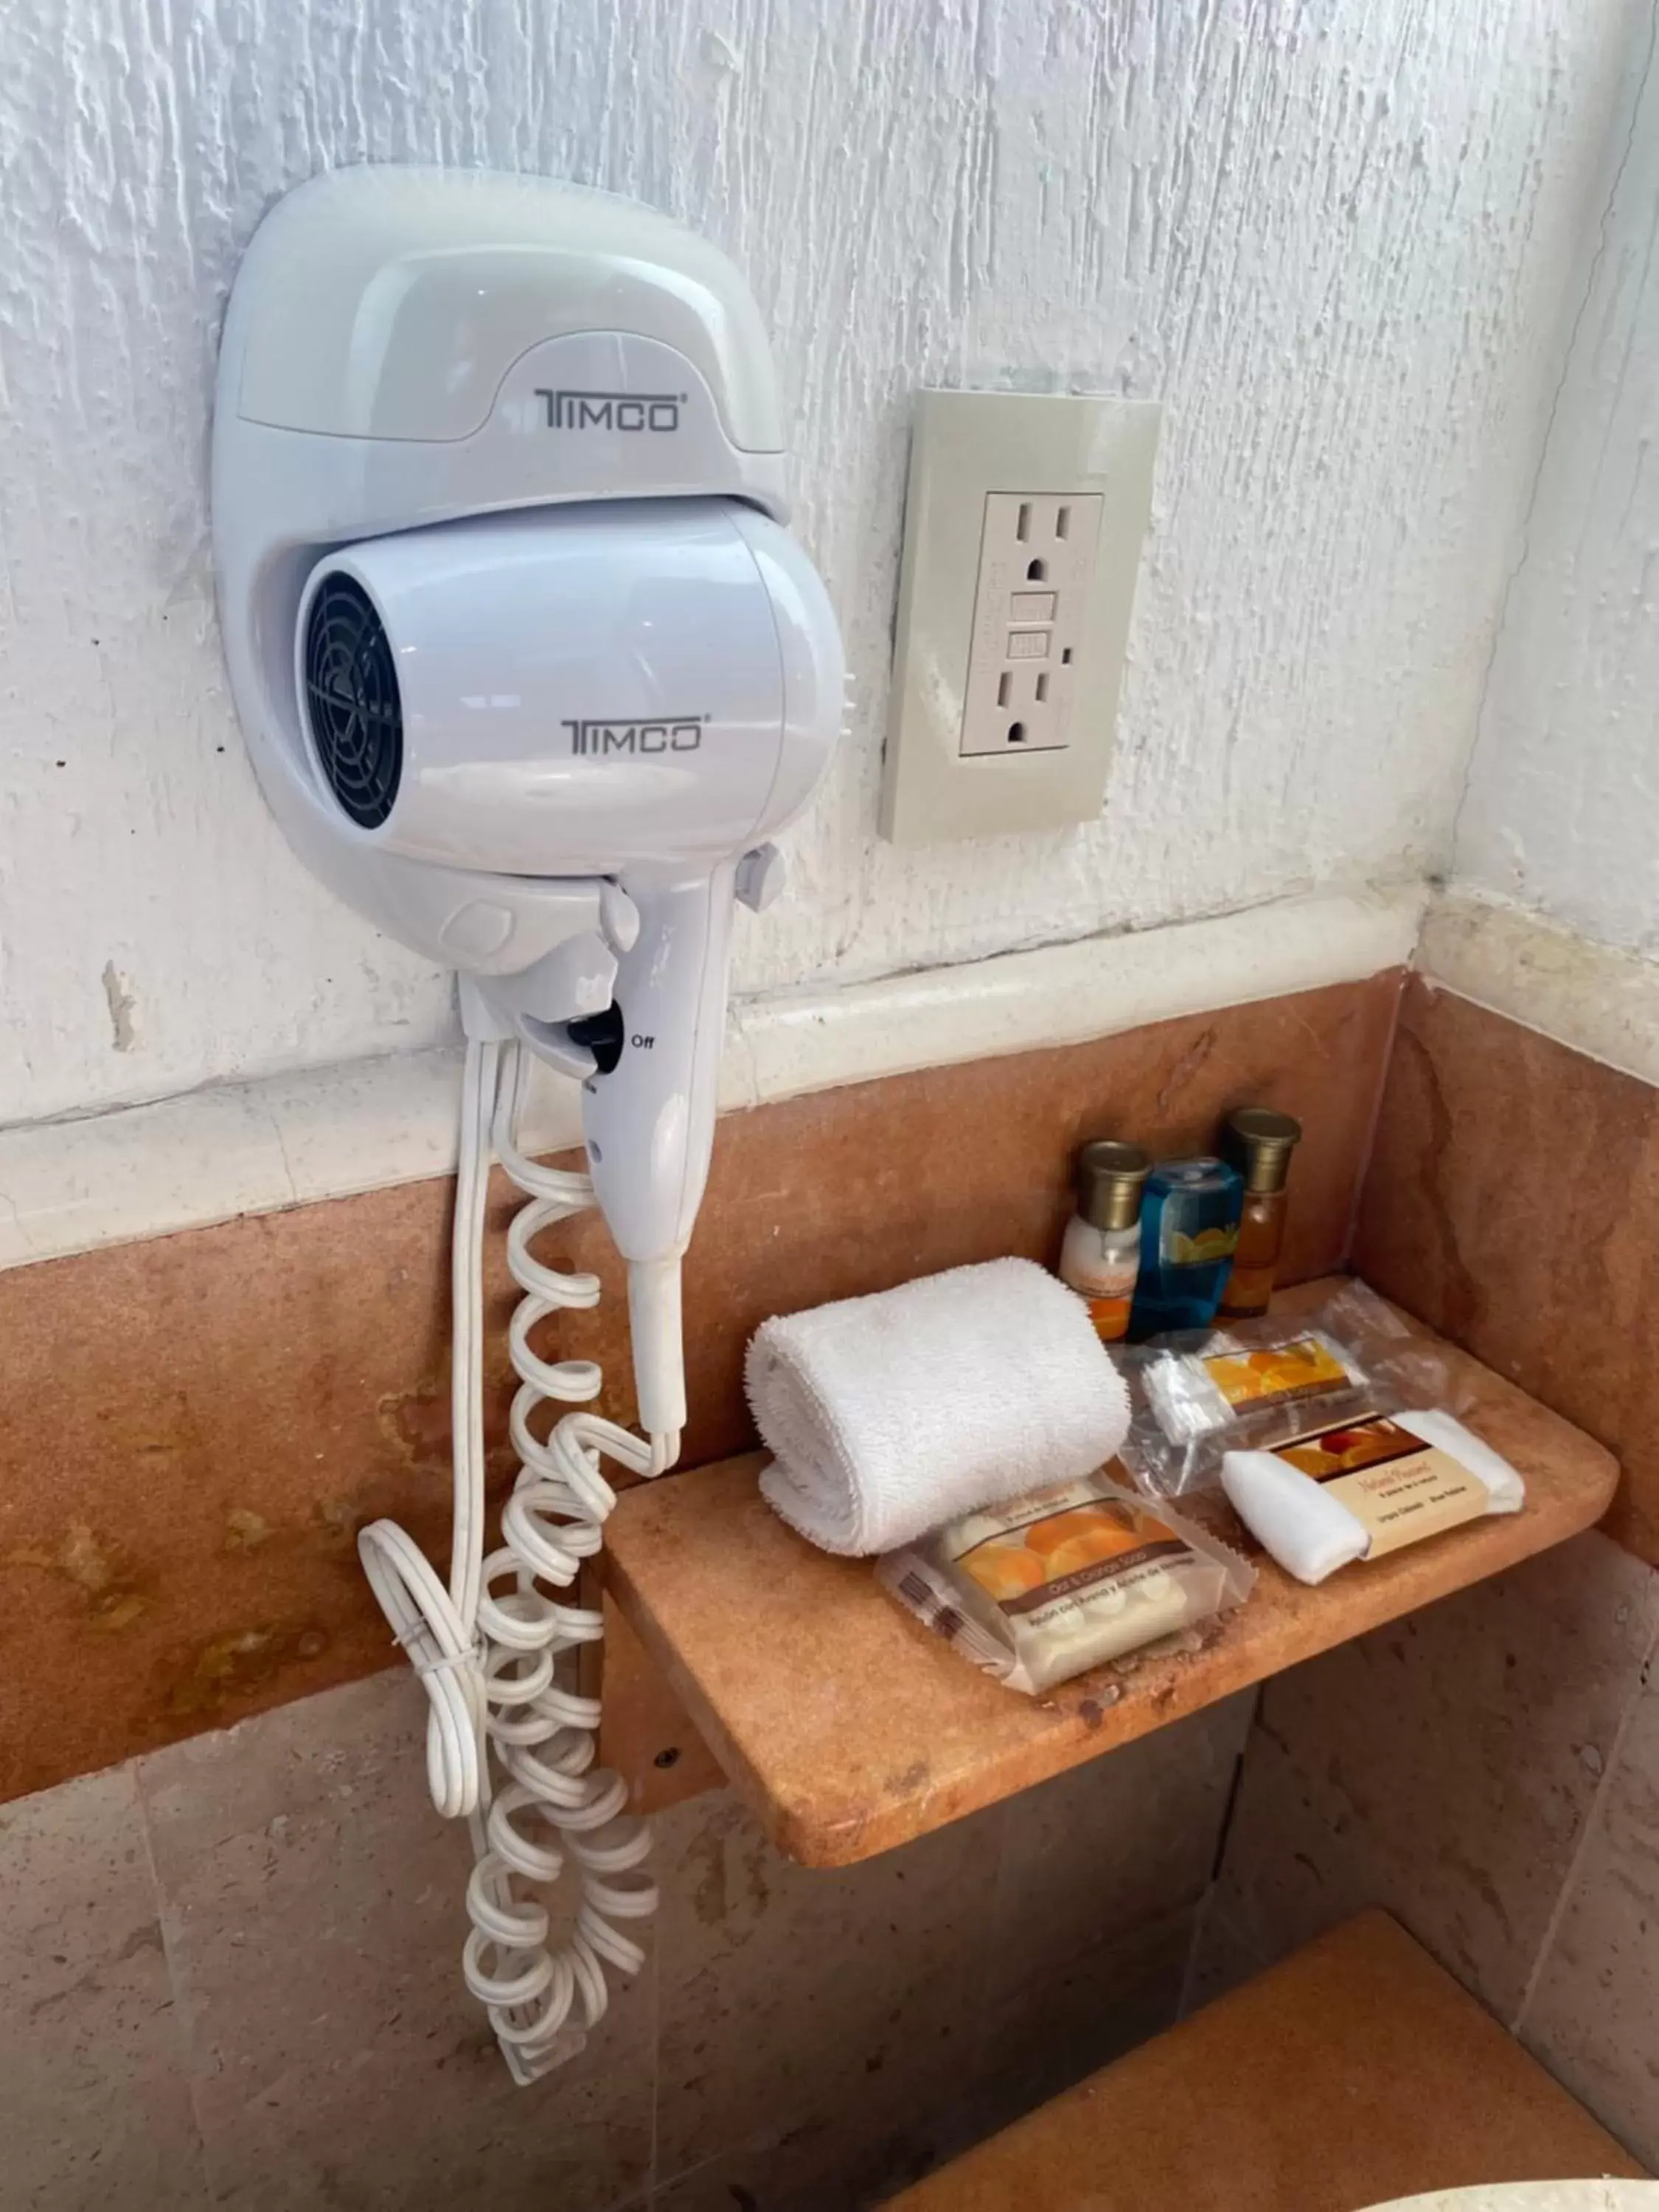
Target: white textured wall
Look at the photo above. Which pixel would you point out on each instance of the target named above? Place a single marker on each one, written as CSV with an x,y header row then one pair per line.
x,y
1330,235
1562,812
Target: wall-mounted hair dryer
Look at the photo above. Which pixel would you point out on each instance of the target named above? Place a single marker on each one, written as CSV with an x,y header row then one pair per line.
x,y
636,693
528,668
530,671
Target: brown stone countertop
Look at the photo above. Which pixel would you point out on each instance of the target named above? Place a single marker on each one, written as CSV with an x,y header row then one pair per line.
x,y
850,1728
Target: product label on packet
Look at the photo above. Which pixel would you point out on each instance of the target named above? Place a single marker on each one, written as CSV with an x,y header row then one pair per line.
x,y
1277,1377
1398,1487
1054,1556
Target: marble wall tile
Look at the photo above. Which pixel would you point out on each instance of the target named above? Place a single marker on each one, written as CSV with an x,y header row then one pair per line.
x,y
824,2036
1455,1768
94,2101
1031,2046
1512,1202
314,1905
1092,2005
1112,1846
1223,1956
1593,2013
180,1498
1444,1766
237,1968
828,2007
842,2031
176,1513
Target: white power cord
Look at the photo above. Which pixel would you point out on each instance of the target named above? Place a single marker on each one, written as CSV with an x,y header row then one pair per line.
x,y
493,1649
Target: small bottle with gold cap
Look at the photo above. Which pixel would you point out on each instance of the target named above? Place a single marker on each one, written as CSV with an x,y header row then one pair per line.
x,y
1101,1256
1261,1141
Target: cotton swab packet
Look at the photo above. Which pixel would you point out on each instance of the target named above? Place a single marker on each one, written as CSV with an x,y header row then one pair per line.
x,y
1364,1489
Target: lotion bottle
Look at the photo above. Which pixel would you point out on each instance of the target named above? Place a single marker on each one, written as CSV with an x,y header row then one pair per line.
x,y
1101,1256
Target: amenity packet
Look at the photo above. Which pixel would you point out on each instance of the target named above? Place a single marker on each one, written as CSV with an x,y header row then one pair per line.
x,y
1047,1585
1363,1489
1259,1384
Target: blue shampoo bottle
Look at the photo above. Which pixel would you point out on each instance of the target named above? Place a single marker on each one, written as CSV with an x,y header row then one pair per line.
x,y
1188,1232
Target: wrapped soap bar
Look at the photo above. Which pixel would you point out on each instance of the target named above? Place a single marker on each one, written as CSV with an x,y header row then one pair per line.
x,y
1194,1393
1047,1585
1365,1488
1262,1384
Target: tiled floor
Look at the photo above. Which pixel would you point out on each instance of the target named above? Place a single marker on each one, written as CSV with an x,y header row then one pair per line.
x,y
235,1967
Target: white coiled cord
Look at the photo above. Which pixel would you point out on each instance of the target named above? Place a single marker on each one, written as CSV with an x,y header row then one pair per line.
x,y
487,1648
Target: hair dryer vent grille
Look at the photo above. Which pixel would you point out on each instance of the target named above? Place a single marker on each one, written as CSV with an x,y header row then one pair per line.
x,y
352,704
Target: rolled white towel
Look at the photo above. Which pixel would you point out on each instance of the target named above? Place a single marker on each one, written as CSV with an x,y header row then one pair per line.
x,y
886,1415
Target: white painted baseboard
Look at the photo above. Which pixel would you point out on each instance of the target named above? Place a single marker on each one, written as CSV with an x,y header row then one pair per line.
x,y
255,1148
1598,1000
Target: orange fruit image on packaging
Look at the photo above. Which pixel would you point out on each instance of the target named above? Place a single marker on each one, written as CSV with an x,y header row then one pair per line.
x,y
1250,1378
1062,1544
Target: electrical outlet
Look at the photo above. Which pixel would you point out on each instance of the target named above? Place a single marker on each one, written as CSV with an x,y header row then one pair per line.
x,y
1023,523
1036,566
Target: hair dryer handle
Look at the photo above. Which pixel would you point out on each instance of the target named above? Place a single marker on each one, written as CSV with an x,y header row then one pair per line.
x,y
649,1121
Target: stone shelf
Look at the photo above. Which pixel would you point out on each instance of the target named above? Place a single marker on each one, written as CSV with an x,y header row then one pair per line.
x,y
850,1728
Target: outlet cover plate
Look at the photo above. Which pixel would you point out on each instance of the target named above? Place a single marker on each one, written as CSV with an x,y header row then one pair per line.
x,y
966,447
